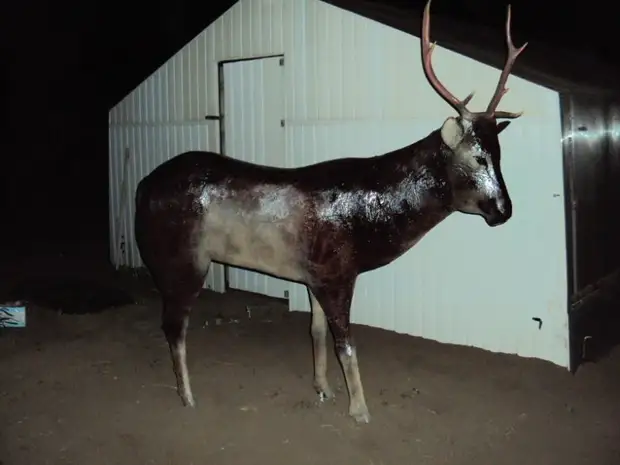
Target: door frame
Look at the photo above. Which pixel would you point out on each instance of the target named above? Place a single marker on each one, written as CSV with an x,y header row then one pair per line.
x,y
222,116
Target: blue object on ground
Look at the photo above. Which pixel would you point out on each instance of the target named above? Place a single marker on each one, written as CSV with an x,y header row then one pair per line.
x,y
12,316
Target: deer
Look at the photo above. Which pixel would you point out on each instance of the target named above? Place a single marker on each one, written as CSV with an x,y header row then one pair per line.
x,y
320,225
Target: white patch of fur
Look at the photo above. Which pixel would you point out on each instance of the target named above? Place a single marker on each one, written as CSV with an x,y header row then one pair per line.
x,y
264,240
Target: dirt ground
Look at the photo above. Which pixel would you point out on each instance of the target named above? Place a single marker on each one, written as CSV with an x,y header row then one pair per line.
x,y
98,389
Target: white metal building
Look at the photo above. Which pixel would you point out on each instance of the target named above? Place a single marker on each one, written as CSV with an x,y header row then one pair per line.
x,y
301,81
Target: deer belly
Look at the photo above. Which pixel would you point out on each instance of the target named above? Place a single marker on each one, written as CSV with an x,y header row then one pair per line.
x,y
257,244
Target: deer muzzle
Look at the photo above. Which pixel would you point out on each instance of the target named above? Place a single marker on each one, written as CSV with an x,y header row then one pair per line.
x,y
496,211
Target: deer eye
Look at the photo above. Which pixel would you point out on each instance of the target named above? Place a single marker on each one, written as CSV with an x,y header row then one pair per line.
x,y
482,161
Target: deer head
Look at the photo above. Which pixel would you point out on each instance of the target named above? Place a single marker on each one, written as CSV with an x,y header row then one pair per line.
x,y
472,141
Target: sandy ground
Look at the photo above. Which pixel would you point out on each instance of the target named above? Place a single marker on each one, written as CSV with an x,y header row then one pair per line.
x,y
98,389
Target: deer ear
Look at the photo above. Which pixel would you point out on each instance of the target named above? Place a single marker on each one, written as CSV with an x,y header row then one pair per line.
x,y
452,133
503,125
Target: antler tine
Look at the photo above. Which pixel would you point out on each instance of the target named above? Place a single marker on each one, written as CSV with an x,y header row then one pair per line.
x,y
427,53
501,90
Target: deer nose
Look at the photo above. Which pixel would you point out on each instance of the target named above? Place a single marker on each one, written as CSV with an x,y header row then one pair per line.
x,y
504,207
497,210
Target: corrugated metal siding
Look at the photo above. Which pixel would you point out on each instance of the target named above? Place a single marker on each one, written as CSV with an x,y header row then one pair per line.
x,y
356,88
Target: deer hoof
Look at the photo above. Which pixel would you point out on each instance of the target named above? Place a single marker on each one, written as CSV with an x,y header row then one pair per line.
x,y
188,400
325,394
361,416
323,390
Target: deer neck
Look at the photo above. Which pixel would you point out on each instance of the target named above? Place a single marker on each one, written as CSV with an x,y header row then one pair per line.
x,y
426,186
415,195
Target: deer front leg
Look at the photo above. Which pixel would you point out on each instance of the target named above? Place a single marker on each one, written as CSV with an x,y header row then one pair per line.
x,y
357,403
336,303
319,336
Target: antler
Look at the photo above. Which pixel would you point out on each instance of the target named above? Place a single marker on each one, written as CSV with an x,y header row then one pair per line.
x,y
427,52
501,90
461,105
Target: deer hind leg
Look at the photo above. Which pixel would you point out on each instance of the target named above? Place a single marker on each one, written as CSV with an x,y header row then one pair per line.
x,y
175,318
335,300
319,336
179,295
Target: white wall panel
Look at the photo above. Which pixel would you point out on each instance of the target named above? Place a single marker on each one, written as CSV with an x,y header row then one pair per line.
x,y
354,87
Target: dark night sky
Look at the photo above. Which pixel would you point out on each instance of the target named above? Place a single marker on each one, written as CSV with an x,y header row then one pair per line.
x,y
65,63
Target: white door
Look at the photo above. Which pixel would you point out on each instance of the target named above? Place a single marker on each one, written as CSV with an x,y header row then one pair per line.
x,y
253,131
